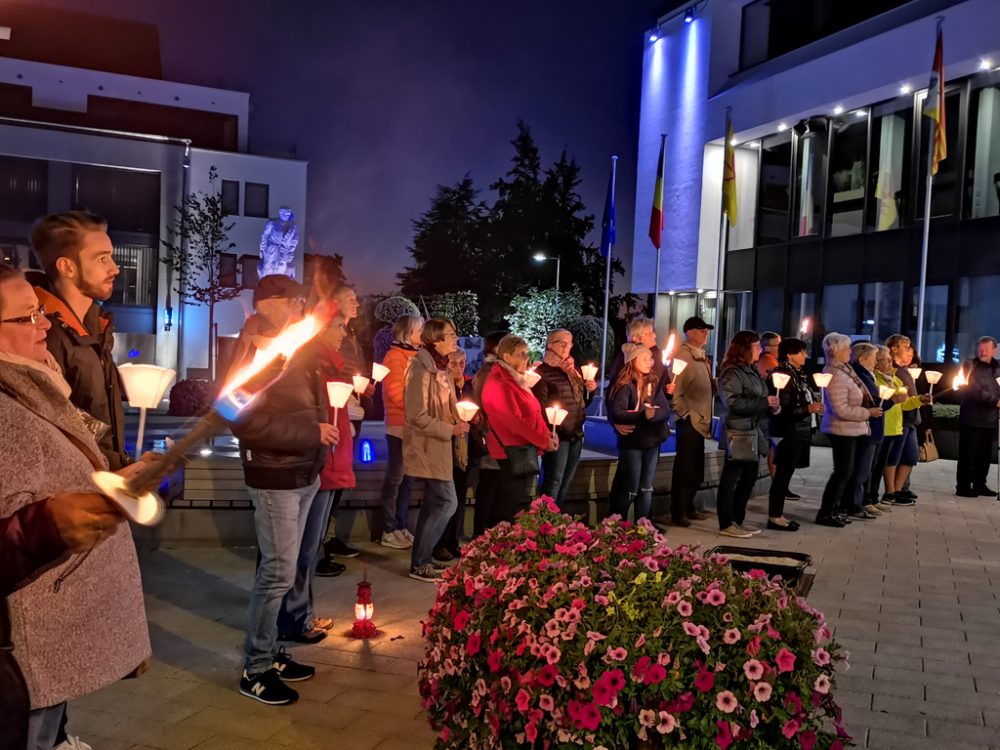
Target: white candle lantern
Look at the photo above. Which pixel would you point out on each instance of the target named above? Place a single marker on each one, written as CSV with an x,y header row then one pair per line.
x,y
379,372
886,392
822,379
933,377
780,379
589,372
531,378
338,393
556,416
466,410
361,384
144,387
915,372
678,367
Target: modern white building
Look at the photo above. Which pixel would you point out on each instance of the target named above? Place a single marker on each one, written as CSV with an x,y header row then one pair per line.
x,y
826,99
130,148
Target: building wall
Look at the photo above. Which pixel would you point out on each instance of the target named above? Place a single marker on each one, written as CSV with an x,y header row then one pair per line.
x,y
287,187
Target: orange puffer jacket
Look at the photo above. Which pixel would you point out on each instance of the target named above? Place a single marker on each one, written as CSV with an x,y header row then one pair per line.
x,y
397,359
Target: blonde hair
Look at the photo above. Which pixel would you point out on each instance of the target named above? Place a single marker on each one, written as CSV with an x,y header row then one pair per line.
x,y
434,330
510,344
61,235
404,326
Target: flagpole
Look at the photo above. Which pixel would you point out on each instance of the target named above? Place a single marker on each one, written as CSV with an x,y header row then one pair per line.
x,y
723,243
656,290
925,245
607,296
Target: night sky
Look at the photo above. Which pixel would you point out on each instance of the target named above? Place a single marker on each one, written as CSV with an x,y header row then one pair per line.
x,y
387,100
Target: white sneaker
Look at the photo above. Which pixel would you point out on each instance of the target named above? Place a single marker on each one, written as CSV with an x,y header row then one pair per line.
x,y
736,532
884,507
406,535
72,742
393,540
752,530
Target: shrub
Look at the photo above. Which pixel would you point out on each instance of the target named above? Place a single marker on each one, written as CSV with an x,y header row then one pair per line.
x,y
587,331
461,307
550,634
382,343
535,313
191,398
391,309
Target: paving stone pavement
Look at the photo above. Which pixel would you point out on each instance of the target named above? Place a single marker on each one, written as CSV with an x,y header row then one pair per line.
x,y
912,595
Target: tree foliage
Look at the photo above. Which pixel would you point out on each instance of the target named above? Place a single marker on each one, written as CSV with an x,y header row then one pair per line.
x,y
535,313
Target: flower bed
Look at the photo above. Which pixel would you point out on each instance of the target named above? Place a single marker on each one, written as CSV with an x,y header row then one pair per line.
x,y
553,635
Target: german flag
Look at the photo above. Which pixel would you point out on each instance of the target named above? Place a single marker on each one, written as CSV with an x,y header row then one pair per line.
x,y
934,105
656,216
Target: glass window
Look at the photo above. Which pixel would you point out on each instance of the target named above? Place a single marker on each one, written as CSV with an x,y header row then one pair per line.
x,y
135,285
770,310
983,198
810,177
255,200
230,198
848,157
890,157
935,324
840,310
24,188
706,311
977,313
128,199
775,175
944,197
737,307
803,317
881,314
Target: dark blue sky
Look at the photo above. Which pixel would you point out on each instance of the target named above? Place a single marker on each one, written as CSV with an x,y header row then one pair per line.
x,y
387,100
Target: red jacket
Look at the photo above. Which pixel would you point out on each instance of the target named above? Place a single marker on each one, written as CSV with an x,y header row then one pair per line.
x,y
514,414
338,470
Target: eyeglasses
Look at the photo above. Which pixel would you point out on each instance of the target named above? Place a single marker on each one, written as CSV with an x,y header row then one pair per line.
x,y
32,319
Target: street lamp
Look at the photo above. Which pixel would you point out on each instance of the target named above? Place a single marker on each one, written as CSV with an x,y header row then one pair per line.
x,y
542,257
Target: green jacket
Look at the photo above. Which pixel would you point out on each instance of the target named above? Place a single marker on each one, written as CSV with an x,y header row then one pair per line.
x,y
894,415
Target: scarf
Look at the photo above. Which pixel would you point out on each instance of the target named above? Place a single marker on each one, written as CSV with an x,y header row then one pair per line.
x,y
518,377
440,360
568,366
40,388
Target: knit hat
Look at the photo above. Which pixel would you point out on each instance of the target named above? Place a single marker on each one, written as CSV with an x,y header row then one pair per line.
x,y
631,351
277,286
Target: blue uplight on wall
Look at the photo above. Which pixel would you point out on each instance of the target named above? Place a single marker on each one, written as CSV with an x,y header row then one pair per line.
x,y
367,452
133,353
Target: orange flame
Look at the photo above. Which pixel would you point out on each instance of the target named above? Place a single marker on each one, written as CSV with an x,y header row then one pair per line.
x,y
285,344
668,350
805,326
959,380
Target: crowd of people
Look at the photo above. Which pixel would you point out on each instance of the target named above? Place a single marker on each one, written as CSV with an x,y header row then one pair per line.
x,y
70,573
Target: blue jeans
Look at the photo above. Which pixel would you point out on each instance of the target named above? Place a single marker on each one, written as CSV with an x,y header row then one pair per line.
x,y
296,614
864,457
43,726
395,489
437,508
558,468
639,467
279,518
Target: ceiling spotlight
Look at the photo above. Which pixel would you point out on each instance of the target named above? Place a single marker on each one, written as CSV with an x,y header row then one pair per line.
x,y
838,110
689,15
782,127
905,89
985,64
861,113
754,144
654,35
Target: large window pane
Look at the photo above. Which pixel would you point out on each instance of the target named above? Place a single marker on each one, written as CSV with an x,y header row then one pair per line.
x,y
840,310
803,312
944,197
984,138
810,178
883,309
892,126
848,155
128,199
770,312
978,313
23,188
136,283
935,324
775,175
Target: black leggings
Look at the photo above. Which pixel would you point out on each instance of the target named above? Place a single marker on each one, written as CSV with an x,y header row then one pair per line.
x,y
844,449
787,456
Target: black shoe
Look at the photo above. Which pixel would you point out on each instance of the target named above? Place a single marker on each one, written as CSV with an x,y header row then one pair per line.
x,y
831,521
908,493
696,515
966,492
789,495
313,635
682,521
843,518
862,515
441,554
328,567
904,501
984,491
792,526
338,548
268,688
291,671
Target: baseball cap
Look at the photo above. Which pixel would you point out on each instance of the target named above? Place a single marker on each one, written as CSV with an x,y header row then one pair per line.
x,y
277,286
696,324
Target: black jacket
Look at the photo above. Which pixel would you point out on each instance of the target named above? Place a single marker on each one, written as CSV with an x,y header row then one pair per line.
x,y
83,350
794,419
622,409
744,393
279,435
555,388
980,396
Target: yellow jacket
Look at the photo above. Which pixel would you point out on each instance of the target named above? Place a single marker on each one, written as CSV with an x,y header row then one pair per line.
x,y
894,415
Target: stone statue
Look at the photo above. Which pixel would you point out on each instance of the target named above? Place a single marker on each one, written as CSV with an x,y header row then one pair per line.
x,y
277,245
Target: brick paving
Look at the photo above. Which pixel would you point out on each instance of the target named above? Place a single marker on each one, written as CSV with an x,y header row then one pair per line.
x,y
913,596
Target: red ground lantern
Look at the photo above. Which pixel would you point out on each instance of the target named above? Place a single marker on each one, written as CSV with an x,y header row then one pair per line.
x,y
364,610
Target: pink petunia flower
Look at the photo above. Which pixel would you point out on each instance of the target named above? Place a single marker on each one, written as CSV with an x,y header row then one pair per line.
x,y
691,629
715,598
667,723
726,702
753,669
647,717
617,654
790,728
762,691
725,736
807,740
820,657
731,636
785,660
684,608
822,684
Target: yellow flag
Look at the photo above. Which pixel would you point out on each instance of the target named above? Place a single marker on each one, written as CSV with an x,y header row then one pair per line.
x,y
729,175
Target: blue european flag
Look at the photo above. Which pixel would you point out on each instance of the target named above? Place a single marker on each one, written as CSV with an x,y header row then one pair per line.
x,y
608,221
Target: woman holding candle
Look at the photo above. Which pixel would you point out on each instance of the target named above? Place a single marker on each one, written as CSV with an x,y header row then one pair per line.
x,y
447,548
637,401
515,421
563,385
747,402
902,357
849,406
855,503
432,423
791,428
893,451
395,485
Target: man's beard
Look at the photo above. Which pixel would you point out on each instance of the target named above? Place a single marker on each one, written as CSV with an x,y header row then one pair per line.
x,y
94,291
